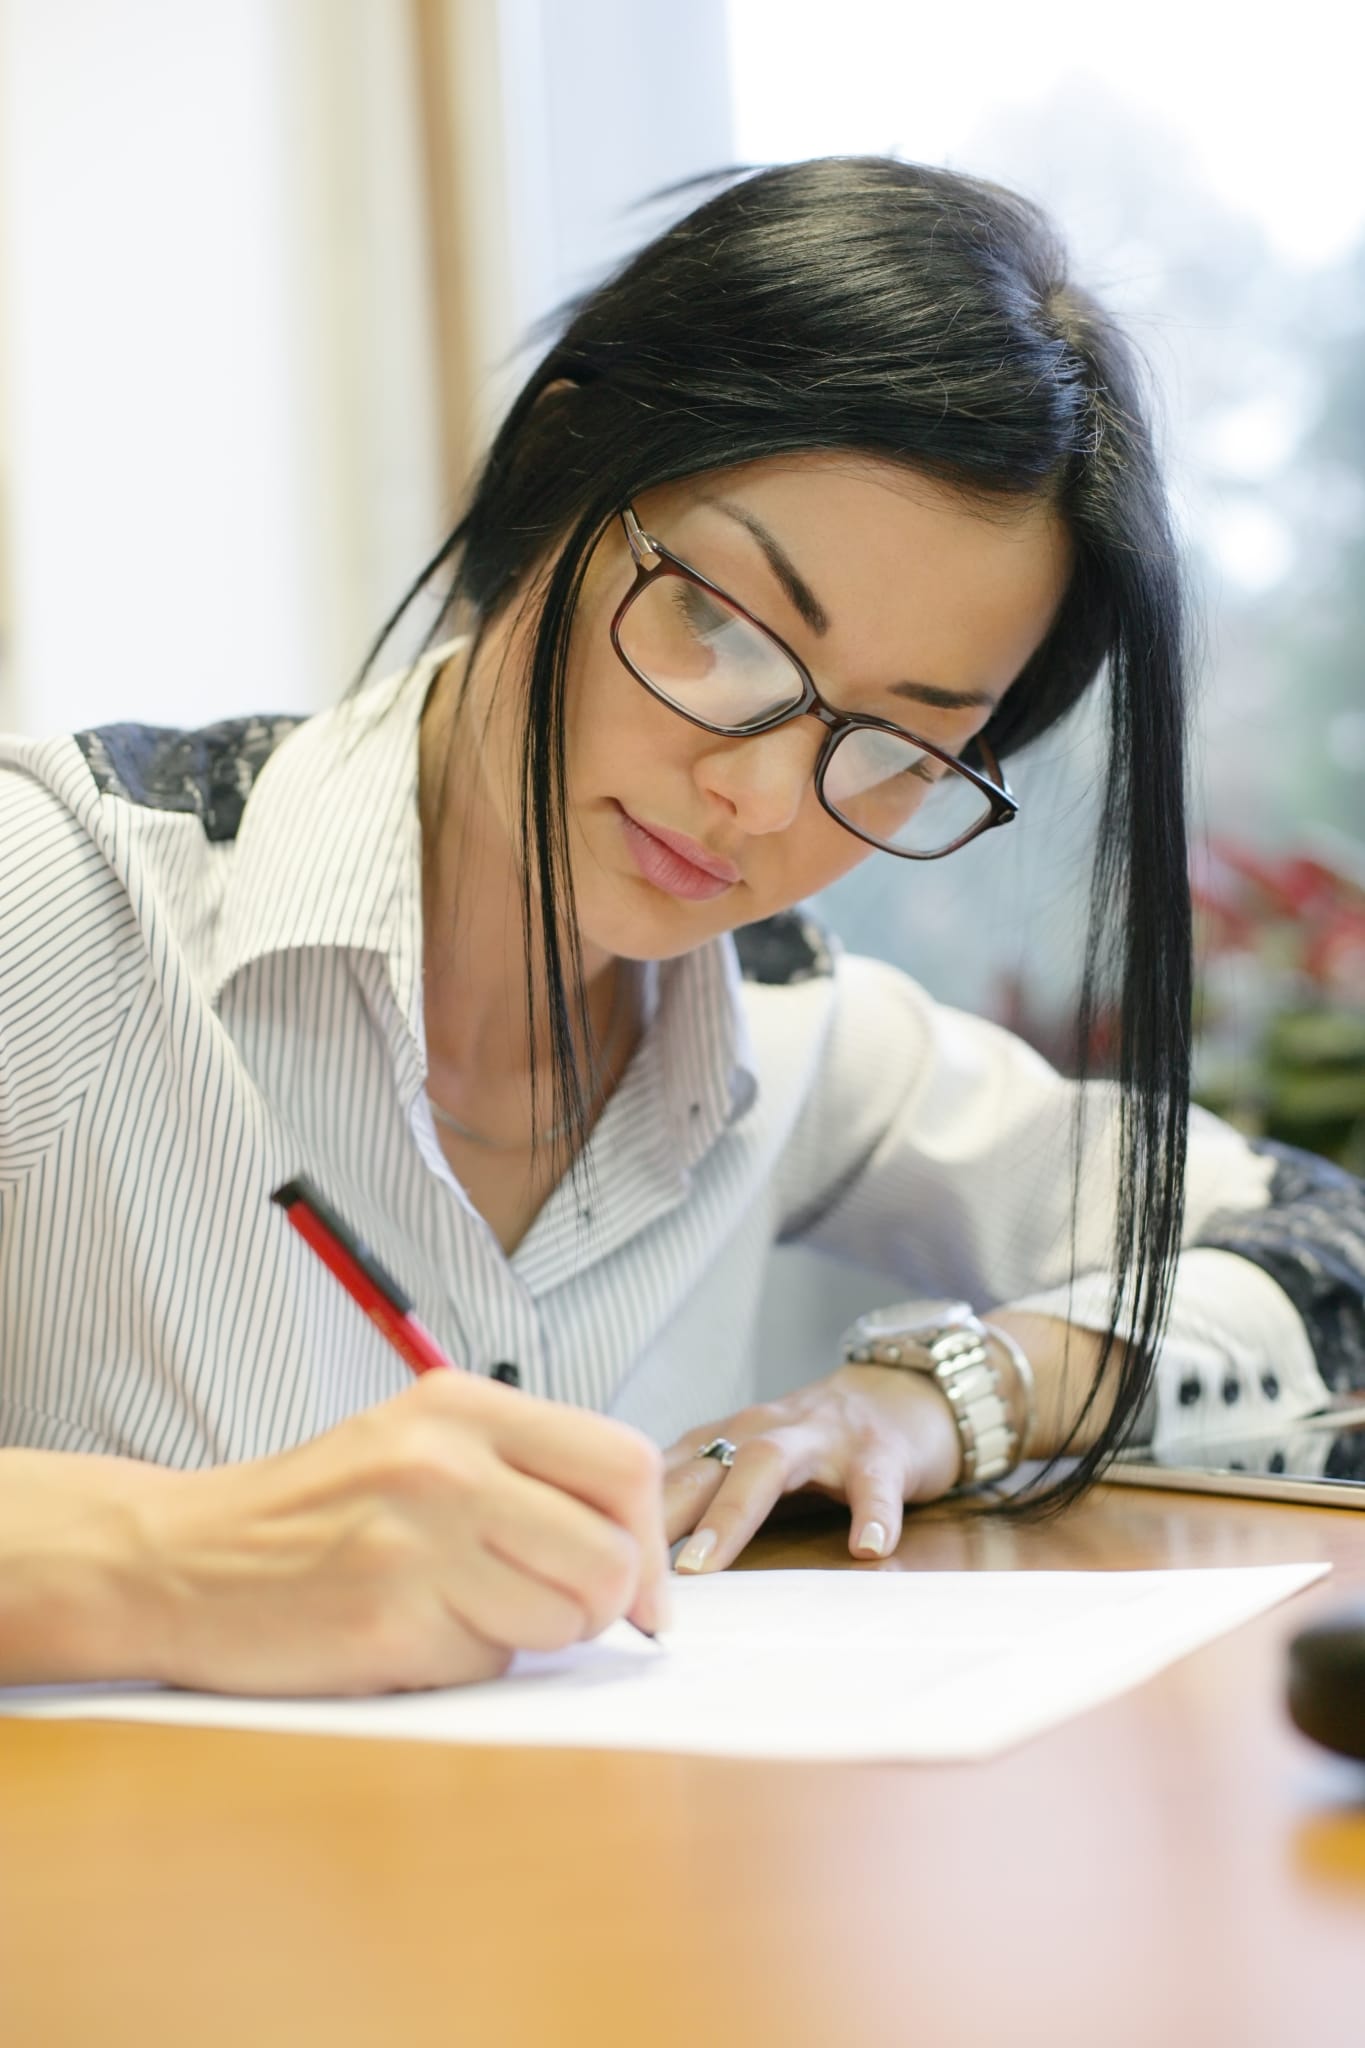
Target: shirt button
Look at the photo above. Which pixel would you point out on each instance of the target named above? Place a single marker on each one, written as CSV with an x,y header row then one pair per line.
x,y
1190,1390
1270,1386
1232,1390
507,1372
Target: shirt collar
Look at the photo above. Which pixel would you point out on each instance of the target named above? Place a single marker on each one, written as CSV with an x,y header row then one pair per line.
x,y
329,852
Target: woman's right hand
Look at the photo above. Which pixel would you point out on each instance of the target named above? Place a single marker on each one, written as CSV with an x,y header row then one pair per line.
x,y
419,1543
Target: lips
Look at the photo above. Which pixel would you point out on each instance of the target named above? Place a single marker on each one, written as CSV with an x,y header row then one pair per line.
x,y
678,865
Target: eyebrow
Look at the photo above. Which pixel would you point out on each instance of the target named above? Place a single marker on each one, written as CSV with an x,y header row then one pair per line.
x,y
941,699
781,564
816,617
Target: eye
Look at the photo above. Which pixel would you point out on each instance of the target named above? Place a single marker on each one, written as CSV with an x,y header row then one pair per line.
x,y
698,610
889,759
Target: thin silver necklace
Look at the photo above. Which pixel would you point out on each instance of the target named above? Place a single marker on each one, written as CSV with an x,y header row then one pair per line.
x,y
560,1130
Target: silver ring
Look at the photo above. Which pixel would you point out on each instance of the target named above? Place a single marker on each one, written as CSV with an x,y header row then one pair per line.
x,y
720,1448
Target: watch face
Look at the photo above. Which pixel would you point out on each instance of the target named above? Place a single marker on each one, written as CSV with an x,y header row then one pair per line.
x,y
910,1318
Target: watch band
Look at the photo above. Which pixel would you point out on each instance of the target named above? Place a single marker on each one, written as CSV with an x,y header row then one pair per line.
x,y
958,1358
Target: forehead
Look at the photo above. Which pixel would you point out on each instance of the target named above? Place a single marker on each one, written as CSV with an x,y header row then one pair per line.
x,y
914,579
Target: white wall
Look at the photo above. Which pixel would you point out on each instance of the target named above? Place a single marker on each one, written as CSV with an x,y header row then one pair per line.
x,y
611,100
217,392
218,422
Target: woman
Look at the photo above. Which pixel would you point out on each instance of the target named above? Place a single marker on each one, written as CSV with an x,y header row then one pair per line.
x,y
836,498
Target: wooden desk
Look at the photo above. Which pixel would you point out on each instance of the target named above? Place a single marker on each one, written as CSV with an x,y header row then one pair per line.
x,y
1176,1867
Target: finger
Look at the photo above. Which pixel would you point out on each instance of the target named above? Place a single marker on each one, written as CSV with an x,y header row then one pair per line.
x,y
874,1490
753,1484
763,1419
605,1465
688,1492
652,1609
407,1652
600,1461
516,1610
556,1541
691,1482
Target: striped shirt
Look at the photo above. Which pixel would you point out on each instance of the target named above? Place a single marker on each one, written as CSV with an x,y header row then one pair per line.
x,y
211,981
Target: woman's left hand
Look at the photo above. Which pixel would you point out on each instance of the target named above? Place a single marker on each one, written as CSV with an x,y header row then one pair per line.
x,y
868,1434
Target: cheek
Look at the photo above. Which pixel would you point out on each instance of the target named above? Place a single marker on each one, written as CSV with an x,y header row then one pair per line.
x,y
811,854
616,732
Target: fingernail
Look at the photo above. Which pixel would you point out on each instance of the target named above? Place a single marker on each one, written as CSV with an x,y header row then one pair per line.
x,y
693,1555
873,1538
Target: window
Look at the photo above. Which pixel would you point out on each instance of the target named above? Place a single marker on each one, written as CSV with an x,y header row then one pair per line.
x,y
1208,183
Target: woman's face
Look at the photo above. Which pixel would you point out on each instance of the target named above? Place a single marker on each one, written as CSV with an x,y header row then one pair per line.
x,y
896,581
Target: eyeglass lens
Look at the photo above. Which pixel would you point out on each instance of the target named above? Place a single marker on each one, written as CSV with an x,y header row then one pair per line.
x,y
713,664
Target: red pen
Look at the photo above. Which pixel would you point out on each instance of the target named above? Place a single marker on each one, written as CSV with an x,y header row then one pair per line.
x,y
365,1280
361,1274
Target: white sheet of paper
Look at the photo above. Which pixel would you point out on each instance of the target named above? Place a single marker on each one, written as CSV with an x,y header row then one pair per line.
x,y
925,1666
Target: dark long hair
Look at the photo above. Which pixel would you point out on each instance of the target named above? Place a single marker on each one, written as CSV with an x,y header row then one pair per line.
x,y
862,304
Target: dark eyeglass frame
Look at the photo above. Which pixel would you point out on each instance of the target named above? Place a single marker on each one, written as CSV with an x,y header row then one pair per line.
x,y
1004,807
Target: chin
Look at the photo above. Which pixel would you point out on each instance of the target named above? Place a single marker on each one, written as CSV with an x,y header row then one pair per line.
x,y
654,926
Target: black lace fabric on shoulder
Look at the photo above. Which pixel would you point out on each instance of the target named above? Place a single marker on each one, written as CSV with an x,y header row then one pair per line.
x,y
1311,1239
786,948
210,772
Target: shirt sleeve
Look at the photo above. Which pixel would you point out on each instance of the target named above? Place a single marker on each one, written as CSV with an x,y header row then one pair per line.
x,y
941,1149
63,972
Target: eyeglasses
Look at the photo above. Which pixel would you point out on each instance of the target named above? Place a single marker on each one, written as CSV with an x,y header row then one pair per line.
x,y
711,661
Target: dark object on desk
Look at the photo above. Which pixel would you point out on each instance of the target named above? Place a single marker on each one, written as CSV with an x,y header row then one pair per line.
x,y
1327,1681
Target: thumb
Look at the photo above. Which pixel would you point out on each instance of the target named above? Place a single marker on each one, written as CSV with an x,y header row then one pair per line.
x,y
652,1608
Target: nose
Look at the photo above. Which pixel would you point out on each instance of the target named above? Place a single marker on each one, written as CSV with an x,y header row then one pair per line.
x,y
764,779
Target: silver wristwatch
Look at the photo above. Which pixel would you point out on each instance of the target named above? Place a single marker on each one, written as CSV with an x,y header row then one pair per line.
x,y
948,1341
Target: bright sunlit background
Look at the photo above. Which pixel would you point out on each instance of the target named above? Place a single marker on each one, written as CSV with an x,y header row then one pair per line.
x,y
1211,185
267,268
